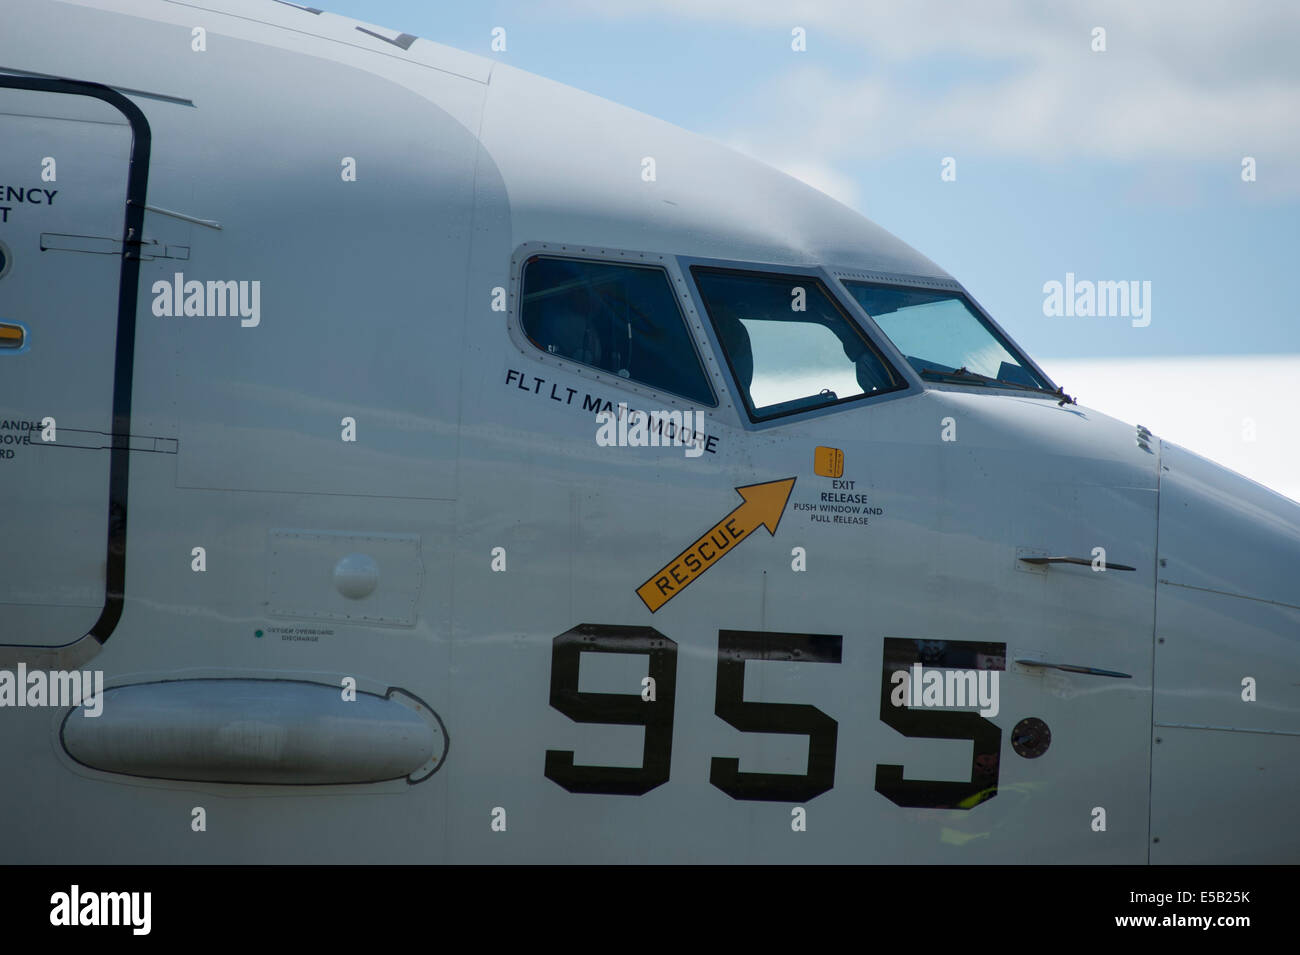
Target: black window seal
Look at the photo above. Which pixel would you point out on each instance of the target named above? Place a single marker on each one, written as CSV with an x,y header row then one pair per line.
x,y
128,289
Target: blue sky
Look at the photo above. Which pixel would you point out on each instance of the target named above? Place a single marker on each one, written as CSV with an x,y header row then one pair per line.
x,y
1116,165
1128,168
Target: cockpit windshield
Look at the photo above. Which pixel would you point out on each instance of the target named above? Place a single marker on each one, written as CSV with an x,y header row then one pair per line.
x,y
944,338
790,345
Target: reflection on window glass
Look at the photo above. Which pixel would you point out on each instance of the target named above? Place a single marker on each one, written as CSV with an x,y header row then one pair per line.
x,y
789,345
622,319
943,337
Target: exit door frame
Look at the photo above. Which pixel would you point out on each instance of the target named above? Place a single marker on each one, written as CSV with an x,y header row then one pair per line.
x,y
84,648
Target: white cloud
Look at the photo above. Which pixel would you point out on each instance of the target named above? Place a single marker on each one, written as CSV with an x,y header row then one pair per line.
x,y
1206,404
1195,80
824,178
819,175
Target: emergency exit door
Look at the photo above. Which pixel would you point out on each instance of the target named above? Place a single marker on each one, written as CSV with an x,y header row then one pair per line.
x,y
73,174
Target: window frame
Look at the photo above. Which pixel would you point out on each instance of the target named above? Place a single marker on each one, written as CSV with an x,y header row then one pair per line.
x,y
661,262
843,277
908,384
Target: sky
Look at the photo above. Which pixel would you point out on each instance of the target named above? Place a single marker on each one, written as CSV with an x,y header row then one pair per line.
x,y
1122,164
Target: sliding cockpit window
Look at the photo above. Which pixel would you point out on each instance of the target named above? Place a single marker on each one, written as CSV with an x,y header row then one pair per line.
x,y
790,346
944,338
620,319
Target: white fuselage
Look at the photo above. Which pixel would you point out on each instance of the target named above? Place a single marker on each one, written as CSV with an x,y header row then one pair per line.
x,y
337,456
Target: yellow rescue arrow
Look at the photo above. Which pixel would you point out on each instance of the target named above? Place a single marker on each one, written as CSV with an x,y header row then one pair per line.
x,y
763,507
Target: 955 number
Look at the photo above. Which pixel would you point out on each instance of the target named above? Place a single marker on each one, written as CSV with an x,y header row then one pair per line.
x,y
735,648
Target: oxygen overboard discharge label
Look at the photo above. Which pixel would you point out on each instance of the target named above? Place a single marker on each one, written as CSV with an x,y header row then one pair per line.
x,y
763,507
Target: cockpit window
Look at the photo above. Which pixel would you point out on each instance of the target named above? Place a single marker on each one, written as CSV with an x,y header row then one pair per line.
x,y
789,345
622,319
943,337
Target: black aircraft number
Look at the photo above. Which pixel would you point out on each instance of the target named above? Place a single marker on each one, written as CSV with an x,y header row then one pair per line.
x,y
735,647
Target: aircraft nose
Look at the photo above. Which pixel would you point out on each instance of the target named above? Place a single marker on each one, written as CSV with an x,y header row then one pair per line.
x,y
1227,601
1223,533
1226,708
